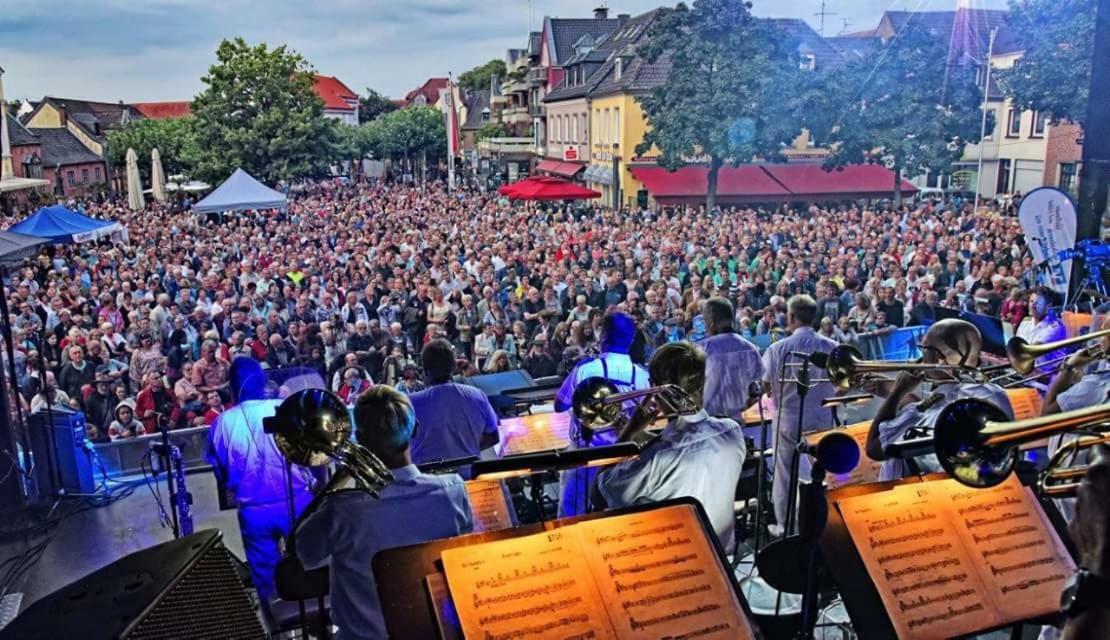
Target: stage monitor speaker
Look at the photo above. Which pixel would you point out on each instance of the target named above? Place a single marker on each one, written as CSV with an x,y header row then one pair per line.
x,y
185,589
62,464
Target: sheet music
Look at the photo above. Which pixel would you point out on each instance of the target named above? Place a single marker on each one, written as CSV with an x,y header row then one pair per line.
x,y
536,586
534,433
659,577
489,505
751,414
867,470
922,572
1024,563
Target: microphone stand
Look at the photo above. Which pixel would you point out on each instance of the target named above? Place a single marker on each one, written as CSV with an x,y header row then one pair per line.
x,y
814,512
803,383
760,489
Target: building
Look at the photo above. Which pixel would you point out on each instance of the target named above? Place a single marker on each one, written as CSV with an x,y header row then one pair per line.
x,y
427,94
340,103
56,155
164,110
93,118
73,143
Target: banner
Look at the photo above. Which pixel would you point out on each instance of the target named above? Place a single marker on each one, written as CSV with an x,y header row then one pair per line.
x,y
1047,217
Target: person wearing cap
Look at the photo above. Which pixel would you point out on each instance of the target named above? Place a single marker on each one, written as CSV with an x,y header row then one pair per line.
x,y
100,406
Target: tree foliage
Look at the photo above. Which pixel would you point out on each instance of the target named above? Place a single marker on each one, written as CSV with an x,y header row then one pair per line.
x,y
406,133
903,107
372,105
1053,74
259,112
723,97
478,77
174,138
491,130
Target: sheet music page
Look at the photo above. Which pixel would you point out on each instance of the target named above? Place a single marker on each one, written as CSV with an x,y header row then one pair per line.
x,y
659,576
534,433
536,586
1023,562
922,572
488,504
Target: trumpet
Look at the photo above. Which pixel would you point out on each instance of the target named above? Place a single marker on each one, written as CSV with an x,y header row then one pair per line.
x,y
1015,378
1061,478
1023,356
599,407
978,445
846,364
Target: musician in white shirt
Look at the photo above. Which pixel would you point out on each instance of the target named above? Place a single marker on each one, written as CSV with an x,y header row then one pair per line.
x,y
732,363
1045,326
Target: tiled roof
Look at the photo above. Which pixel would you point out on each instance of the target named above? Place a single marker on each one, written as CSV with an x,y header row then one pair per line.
x,y
967,31
860,46
430,90
476,101
18,134
562,33
60,147
107,115
807,40
163,110
626,36
334,93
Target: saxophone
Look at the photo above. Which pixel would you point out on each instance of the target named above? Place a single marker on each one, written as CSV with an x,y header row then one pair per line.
x,y
184,504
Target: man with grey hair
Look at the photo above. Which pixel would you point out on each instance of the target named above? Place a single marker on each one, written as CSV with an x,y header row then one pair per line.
x,y
732,364
783,361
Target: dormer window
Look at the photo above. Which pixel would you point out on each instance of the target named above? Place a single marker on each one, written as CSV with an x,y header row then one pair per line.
x,y
485,114
807,62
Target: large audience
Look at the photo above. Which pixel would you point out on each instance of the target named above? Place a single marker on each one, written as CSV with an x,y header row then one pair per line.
x,y
351,280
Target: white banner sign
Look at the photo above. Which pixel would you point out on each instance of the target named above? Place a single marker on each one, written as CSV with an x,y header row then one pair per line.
x,y
1047,217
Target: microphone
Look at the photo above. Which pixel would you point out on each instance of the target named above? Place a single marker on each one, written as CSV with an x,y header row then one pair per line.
x,y
817,358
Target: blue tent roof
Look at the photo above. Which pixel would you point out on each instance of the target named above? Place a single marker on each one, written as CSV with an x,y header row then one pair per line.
x,y
240,192
14,247
62,225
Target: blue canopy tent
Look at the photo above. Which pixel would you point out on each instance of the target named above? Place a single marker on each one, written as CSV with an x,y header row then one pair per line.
x,y
15,247
59,224
241,192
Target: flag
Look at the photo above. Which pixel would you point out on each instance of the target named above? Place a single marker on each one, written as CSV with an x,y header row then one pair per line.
x,y
451,113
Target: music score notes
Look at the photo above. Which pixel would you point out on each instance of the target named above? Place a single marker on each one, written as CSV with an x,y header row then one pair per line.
x,y
489,505
658,577
948,560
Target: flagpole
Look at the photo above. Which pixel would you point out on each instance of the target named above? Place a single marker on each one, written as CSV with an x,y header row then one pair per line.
x,y
452,135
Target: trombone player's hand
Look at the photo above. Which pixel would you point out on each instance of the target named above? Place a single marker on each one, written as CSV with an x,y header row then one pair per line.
x,y
643,416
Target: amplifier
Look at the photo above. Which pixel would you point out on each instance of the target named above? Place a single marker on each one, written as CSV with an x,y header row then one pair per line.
x,y
62,463
185,589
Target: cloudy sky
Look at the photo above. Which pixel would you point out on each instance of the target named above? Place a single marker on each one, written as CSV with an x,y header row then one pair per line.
x,y
142,50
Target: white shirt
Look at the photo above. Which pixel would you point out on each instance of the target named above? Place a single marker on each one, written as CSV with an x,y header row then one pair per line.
x,y
732,364
351,526
891,431
804,340
696,456
1049,329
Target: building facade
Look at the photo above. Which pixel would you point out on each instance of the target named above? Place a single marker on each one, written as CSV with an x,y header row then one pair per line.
x,y
340,103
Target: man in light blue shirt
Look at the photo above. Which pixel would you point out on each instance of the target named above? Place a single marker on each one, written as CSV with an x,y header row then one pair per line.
x,y
616,336
455,420
695,456
350,527
732,364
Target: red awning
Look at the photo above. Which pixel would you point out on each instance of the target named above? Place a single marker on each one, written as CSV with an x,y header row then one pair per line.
x,y
547,188
747,181
860,180
560,168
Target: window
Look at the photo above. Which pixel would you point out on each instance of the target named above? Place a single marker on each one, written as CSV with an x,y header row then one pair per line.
x,y
992,120
1003,184
618,68
98,178
605,127
1013,124
597,126
71,178
32,167
617,126
807,62
1067,176
84,176
574,129
1038,124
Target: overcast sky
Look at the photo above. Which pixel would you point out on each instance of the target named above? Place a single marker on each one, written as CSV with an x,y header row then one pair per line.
x,y
144,50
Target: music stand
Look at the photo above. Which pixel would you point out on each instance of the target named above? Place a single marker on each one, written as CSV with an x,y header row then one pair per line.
x,y
401,573
861,598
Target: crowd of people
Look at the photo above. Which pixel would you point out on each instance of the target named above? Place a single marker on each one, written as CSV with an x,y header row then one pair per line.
x,y
353,279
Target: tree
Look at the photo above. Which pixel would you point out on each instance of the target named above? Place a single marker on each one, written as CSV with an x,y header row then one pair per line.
x,y
722,100
259,112
416,132
174,138
903,106
1053,74
372,105
491,130
478,77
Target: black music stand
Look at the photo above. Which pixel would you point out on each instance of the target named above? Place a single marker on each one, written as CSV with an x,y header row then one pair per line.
x,y
401,573
861,598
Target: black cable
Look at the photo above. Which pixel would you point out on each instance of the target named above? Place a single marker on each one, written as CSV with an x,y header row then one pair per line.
x,y
163,517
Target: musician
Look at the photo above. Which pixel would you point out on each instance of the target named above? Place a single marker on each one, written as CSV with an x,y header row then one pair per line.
x,y
1045,326
349,527
1085,600
801,316
949,341
456,420
615,336
732,363
696,455
247,461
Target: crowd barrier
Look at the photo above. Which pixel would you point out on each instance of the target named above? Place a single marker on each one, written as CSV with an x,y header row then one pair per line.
x,y
124,457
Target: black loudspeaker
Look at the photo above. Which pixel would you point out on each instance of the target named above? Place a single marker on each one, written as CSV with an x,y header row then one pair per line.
x,y
62,464
185,589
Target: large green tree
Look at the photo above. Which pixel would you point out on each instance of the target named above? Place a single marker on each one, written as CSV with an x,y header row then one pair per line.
x,y
903,106
478,77
1053,74
722,101
259,112
174,138
416,133
372,105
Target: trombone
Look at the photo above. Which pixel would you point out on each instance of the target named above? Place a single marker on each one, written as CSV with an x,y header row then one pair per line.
x,y
598,406
978,446
1023,356
846,365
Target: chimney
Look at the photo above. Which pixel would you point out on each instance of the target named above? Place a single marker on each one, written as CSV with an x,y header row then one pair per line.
x,y
623,18
62,115
601,13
